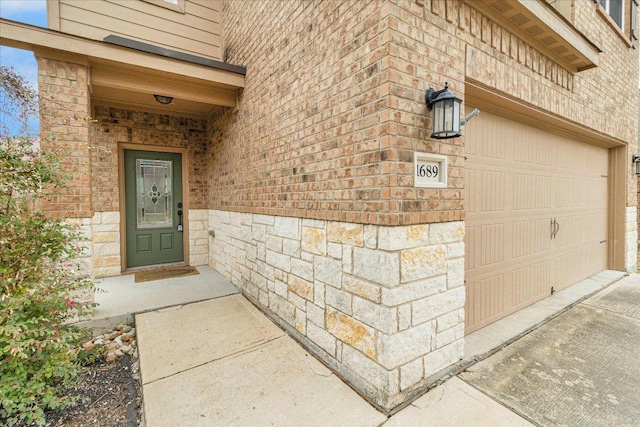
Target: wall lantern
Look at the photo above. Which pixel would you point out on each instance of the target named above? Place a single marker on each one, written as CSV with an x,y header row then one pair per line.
x,y
636,159
446,113
164,100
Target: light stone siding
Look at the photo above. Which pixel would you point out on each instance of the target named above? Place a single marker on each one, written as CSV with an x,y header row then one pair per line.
x,y
381,305
103,234
198,237
631,244
105,239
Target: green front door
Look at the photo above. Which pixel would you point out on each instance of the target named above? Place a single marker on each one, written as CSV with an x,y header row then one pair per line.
x,y
154,210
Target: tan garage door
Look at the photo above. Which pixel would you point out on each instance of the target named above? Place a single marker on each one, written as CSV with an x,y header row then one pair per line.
x,y
536,215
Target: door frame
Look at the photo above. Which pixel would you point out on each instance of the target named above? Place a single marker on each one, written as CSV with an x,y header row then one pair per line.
x,y
121,198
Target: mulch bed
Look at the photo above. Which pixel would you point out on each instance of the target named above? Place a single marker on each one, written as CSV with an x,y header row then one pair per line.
x,y
109,396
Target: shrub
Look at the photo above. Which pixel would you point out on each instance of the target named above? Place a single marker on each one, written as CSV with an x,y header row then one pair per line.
x,y
39,351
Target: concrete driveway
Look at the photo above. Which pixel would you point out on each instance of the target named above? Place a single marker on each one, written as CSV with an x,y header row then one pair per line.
x,y
223,362
582,368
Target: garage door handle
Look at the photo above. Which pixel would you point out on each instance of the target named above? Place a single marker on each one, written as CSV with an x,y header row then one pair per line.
x,y
556,228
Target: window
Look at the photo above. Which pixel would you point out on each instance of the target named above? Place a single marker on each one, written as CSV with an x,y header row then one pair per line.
x,y
177,5
614,9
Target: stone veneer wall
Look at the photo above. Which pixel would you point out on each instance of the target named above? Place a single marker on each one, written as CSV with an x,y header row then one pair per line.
x,y
103,231
105,239
383,306
198,236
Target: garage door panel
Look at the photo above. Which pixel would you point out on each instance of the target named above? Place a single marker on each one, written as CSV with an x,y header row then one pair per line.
x,y
494,148
568,269
561,271
491,244
522,185
470,182
541,240
522,285
596,196
492,200
530,283
542,277
470,249
576,230
532,192
594,258
523,240
570,192
489,295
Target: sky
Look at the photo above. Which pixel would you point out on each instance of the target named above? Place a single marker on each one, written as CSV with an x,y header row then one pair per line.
x,y
32,12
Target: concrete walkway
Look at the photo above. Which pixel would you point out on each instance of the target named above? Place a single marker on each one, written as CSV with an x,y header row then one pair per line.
x,y
222,362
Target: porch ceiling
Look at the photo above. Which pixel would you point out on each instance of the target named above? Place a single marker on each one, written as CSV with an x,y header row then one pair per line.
x,y
123,76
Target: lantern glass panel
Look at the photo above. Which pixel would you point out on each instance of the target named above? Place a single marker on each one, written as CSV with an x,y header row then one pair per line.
x,y
438,118
448,115
456,116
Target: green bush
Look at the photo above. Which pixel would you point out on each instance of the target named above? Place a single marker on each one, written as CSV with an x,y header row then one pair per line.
x,y
39,351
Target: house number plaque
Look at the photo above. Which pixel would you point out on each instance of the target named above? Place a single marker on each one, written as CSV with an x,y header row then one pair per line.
x,y
429,170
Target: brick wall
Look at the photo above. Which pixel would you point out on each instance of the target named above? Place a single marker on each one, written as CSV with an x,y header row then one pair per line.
x,y
117,125
64,106
333,106
327,125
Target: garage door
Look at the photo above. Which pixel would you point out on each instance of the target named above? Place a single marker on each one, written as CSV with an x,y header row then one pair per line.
x,y
536,216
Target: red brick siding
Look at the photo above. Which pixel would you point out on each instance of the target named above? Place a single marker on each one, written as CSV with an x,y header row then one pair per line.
x,y
116,125
63,123
333,107
322,130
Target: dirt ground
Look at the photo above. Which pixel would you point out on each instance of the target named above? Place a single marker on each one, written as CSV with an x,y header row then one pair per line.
x,y
108,397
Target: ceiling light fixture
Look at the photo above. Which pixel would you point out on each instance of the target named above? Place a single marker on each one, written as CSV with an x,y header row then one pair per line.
x,y
164,100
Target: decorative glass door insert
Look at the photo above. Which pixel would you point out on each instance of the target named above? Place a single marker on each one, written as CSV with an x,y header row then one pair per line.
x,y
154,193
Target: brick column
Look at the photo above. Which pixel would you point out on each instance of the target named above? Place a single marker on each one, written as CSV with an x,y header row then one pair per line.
x,y
64,106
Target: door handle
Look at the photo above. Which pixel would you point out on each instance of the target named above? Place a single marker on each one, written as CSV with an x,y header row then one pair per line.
x,y
180,227
555,227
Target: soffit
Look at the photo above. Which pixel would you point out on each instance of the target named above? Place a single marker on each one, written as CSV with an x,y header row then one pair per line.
x,y
120,75
544,28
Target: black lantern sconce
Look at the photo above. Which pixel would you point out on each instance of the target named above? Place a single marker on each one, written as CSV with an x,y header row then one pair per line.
x,y
636,160
446,113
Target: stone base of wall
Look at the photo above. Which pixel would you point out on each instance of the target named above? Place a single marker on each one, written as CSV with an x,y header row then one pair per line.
x,y
103,234
382,306
105,237
198,237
